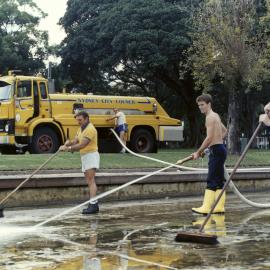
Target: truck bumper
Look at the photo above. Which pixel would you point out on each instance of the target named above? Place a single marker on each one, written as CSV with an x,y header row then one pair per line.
x,y
171,133
7,139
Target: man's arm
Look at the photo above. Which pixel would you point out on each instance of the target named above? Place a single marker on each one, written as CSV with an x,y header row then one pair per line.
x,y
109,119
72,142
210,133
265,118
76,147
267,108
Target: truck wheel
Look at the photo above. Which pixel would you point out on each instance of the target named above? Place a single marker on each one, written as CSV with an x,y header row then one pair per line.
x,y
44,141
142,141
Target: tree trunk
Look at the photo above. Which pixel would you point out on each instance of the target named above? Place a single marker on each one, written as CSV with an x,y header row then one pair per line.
x,y
193,116
194,135
234,117
185,89
252,108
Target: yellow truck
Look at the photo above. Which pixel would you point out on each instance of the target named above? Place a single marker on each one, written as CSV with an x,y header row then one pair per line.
x,y
34,120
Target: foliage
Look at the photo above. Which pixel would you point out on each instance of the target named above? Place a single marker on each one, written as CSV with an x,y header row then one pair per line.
x,y
123,40
229,42
131,45
231,48
22,45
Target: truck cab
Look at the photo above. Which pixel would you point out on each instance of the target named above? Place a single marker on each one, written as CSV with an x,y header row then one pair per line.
x,y
23,100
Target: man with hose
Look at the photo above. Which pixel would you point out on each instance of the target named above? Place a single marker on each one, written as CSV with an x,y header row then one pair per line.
x,y
121,126
86,142
216,132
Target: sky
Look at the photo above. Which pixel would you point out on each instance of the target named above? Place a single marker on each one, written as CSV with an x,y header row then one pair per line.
x,y
55,10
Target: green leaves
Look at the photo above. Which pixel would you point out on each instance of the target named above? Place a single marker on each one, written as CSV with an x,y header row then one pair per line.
x,y
139,35
229,42
22,45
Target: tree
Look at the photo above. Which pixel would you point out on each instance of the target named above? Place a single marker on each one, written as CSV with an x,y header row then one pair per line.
x,y
22,45
230,47
138,43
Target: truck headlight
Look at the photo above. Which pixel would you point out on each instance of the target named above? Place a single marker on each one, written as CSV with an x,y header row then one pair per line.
x,y
6,128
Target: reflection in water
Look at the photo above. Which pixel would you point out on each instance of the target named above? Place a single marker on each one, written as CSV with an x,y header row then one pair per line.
x,y
215,225
91,263
137,235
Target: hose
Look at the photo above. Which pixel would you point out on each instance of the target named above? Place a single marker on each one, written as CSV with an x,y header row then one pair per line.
x,y
226,174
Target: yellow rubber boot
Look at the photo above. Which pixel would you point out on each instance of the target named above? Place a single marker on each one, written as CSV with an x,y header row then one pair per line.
x,y
209,198
220,224
220,208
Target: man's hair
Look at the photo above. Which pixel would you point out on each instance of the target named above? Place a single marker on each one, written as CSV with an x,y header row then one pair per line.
x,y
82,113
204,98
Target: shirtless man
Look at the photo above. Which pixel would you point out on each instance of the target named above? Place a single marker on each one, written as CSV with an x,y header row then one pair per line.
x,y
216,132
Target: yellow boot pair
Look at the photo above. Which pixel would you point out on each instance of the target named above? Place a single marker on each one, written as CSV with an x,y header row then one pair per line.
x,y
209,198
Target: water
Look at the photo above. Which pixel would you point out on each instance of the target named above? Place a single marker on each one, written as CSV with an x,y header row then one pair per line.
x,y
135,235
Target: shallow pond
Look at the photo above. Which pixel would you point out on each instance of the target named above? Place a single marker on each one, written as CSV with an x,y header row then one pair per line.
x,y
136,235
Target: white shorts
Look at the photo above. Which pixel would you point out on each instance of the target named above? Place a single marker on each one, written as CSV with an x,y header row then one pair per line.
x,y
90,161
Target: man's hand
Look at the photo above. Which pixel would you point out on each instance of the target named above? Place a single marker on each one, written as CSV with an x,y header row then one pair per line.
x,y
180,161
63,148
196,155
265,119
67,143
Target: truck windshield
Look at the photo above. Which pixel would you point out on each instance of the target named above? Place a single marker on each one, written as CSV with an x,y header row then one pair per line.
x,y
5,90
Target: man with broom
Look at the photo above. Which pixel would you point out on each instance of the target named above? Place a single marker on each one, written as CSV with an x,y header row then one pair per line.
x,y
216,132
215,203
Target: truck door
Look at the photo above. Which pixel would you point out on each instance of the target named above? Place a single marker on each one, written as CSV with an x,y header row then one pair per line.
x,y
45,110
25,108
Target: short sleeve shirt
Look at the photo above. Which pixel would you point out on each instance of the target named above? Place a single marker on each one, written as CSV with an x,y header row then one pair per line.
x,y
121,119
90,133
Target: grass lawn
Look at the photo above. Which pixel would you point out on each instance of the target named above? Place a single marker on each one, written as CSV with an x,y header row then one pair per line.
x,y
110,161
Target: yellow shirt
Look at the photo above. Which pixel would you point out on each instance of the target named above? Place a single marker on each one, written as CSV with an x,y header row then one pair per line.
x,y
90,133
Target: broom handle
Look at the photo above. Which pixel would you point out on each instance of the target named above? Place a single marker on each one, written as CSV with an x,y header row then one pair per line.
x,y
184,160
29,177
231,176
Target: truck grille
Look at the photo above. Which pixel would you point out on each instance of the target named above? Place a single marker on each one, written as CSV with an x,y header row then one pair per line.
x,y
10,122
2,125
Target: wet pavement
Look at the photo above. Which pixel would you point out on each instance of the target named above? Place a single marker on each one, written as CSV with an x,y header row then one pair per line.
x,y
137,235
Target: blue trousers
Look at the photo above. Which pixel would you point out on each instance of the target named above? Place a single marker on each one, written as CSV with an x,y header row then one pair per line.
x,y
217,157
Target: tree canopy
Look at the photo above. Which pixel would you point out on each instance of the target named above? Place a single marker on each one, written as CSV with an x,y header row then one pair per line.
x,y
22,45
135,42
